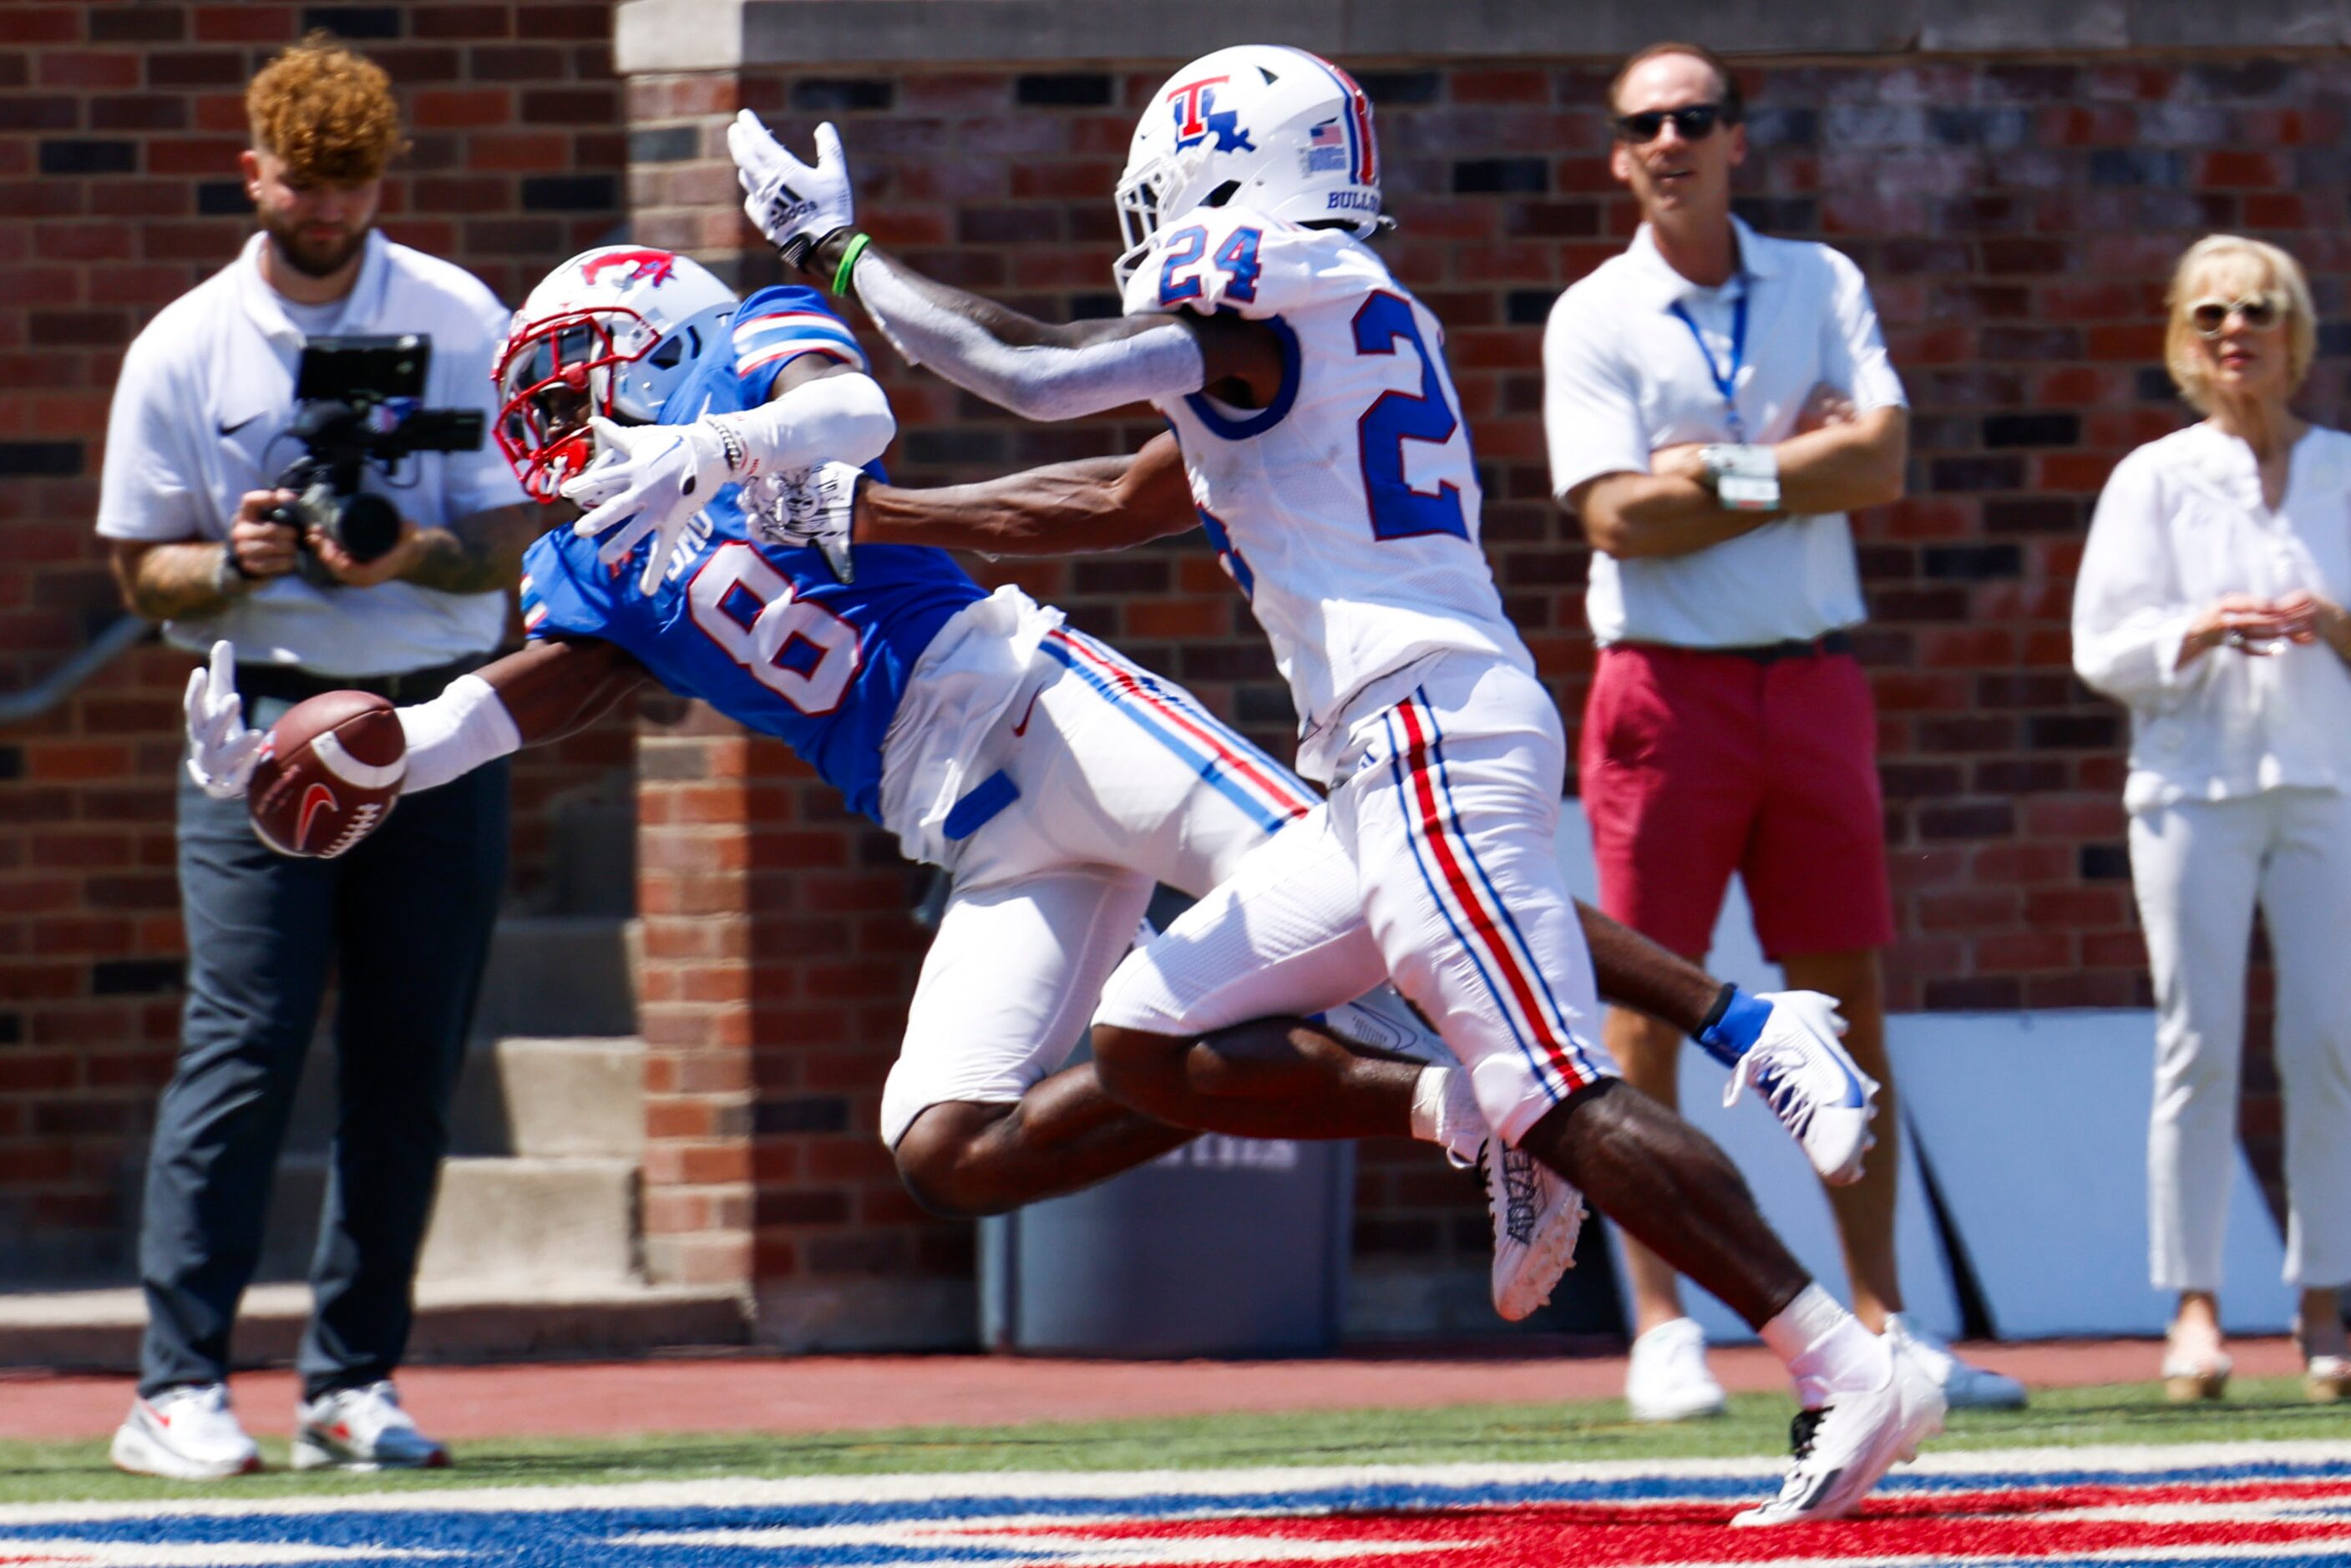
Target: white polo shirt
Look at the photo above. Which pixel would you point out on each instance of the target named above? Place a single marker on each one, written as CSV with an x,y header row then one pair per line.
x,y
1623,376
200,418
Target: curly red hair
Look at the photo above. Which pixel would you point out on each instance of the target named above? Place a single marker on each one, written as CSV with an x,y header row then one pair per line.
x,y
326,110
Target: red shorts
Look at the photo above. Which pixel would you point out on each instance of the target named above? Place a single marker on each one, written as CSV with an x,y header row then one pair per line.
x,y
1696,765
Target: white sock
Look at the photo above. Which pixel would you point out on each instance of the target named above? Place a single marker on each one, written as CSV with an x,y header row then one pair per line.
x,y
1825,1348
1445,1113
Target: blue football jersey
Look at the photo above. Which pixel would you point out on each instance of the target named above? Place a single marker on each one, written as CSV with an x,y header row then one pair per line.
x,y
762,632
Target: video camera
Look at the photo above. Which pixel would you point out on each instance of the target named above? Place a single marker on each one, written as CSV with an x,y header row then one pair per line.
x,y
357,404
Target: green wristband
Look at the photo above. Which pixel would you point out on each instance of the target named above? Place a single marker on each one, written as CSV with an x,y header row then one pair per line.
x,y
848,260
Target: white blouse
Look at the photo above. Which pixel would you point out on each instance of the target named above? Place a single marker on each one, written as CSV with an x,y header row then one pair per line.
x,y
2181,521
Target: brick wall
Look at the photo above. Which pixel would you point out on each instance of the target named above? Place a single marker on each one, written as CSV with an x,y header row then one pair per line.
x,y
119,126
2016,220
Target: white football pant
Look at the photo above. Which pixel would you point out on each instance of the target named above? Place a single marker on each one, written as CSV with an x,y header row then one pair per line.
x,y
1124,781
1431,864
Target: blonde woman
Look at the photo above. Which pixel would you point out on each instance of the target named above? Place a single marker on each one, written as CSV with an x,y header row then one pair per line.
x,y
2210,601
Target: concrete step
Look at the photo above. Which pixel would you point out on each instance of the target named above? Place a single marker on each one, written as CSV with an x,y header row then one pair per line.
x,y
498,1221
581,1098
572,1096
513,1220
98,1331
559,975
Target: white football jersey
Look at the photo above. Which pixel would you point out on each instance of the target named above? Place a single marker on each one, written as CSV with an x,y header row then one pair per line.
x,y
1347,509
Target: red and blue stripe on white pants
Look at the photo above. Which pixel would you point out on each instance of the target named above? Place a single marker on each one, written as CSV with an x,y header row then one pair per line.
x,y
1514,959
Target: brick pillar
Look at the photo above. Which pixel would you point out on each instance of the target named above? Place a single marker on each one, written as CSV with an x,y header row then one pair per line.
x,y
779,947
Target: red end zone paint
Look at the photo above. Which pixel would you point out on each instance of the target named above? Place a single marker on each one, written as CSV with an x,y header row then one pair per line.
x,y
2304,1520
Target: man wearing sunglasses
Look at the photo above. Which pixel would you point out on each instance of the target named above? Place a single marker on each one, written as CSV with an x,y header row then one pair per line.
x,y
1715,402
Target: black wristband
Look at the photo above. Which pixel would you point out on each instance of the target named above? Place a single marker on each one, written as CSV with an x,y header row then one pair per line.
x,y
1714,1015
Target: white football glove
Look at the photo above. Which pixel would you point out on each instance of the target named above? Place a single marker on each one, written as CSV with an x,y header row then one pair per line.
x,y
794,205
815,508
647,482
222,751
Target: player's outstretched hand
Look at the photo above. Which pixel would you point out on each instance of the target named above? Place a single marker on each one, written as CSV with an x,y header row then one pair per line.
x,y
816,508
793,203
647,482
221,750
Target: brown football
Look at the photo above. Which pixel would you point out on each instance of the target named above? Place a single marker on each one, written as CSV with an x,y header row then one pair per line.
x,y
329,776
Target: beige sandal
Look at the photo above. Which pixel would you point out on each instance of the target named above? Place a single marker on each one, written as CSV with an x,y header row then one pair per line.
x,y
2186,1381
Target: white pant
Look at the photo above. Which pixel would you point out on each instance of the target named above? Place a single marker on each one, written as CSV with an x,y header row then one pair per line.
x,y
1125,782
1432,864
2198,867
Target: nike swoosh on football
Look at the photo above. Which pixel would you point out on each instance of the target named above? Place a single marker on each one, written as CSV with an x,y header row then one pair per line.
x,y
315,799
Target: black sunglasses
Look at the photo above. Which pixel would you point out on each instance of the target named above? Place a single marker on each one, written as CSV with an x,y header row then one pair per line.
x,y
1695,121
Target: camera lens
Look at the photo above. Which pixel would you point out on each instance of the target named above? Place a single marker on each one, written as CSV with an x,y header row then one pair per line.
x,y
368,525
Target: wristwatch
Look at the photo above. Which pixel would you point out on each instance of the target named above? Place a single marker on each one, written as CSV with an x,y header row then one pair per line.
x,y
1744,478
230,579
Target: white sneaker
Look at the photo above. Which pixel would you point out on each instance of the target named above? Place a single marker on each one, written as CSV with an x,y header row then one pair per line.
x,y
361,1430
1855,1438
186,1433
1965,1386
1536,1216
1824,1100
1667,1378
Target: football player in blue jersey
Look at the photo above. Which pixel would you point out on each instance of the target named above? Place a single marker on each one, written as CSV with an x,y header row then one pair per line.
x,y
1056,781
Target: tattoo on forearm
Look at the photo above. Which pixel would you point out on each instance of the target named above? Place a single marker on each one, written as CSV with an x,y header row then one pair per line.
x,y
477,555
175,582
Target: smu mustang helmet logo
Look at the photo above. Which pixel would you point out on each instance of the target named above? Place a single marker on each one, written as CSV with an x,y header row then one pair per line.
x,y
647,266
1198,117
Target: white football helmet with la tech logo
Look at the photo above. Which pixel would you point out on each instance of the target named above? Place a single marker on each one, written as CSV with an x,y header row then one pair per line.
x,y
612,331
1276,129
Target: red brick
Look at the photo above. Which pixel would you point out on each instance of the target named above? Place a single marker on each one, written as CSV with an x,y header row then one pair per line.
x,y
246,23
461,109
30,24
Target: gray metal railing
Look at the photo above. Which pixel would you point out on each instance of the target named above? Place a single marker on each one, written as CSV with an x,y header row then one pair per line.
x,y
17,707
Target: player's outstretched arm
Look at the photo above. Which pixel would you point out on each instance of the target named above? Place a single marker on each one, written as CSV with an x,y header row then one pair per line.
x,y
1045,371
1068,508
1038,371
543,691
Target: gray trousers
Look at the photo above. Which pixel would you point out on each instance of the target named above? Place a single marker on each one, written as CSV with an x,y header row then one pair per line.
x,y
404,922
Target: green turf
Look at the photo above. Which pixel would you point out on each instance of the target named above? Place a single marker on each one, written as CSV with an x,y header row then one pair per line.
x,y
1756,1424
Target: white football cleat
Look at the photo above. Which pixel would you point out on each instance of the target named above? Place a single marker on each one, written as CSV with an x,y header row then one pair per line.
x,y
1824,1100
1965,1387
1537,1218
361,1429
1843,1448
1380,1020
1666,1380
185,1434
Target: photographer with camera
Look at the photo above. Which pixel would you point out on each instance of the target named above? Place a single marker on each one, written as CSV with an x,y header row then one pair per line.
x,y
272,484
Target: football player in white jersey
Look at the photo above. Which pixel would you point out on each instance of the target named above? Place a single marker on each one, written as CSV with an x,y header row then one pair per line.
x,y
1322,439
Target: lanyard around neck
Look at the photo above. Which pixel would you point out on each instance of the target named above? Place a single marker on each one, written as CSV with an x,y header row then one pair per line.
x,y
1725,381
